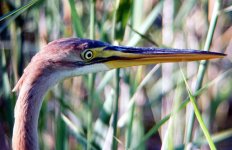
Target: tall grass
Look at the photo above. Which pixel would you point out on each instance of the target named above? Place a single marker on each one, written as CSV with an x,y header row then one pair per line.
x,y
145,107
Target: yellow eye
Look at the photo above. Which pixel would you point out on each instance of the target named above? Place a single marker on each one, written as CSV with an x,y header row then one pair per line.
x,y
88,55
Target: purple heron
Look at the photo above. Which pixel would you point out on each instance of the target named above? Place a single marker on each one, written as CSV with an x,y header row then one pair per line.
x,y
70,57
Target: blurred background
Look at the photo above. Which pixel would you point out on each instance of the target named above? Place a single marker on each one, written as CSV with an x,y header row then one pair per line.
x,y
145,107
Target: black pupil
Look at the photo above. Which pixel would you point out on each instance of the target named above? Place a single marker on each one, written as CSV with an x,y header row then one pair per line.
x,y
89,55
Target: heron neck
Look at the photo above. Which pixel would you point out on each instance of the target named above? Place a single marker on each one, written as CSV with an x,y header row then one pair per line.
x,y
27,110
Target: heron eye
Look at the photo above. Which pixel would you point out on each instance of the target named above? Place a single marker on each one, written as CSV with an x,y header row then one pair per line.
x,y
88,55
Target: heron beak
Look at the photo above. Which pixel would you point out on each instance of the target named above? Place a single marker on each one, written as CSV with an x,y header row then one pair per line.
x,y
120,56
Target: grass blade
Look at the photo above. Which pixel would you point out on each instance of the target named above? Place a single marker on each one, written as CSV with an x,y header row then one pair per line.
x,y
121,16
216,137
115,121
18,10
103,122
75,131
146,24
203,64
76,20
199,117
91,78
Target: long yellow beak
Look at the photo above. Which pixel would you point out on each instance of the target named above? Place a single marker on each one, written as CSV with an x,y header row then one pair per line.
x,y
120,56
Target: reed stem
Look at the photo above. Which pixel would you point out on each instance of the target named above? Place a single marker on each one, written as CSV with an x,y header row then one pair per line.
x,y
203,65
91,78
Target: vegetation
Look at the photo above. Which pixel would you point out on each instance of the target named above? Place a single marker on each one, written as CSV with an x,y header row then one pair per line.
x,y
168,106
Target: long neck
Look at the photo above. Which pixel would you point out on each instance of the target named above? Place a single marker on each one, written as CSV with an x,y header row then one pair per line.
x,y
27,111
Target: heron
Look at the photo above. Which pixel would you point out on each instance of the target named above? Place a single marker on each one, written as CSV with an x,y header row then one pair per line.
x,y
69,57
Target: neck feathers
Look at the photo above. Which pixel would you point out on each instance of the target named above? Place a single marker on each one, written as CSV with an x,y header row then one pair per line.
x,y
32,88
26,119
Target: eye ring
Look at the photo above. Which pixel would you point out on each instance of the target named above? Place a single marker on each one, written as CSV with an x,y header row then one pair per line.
x,y
88,55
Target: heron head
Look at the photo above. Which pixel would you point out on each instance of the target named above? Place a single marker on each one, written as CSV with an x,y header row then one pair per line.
x,y
89,56
73,56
